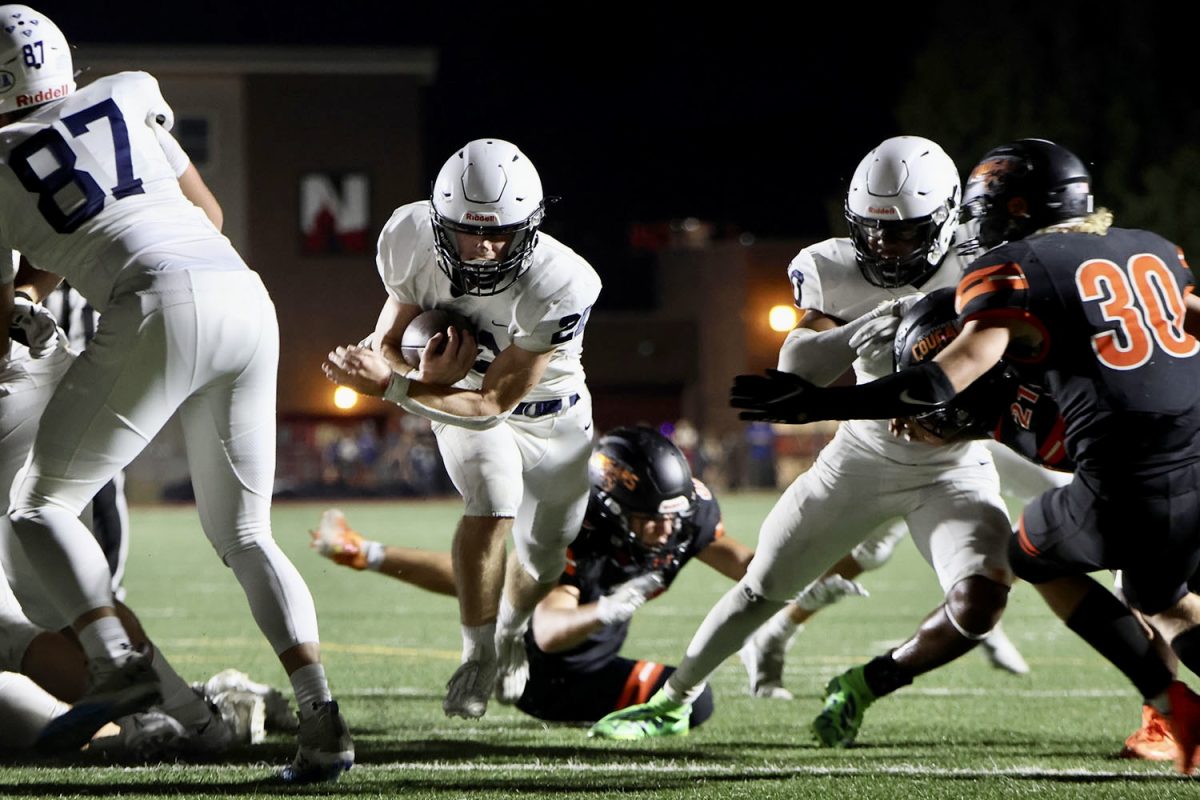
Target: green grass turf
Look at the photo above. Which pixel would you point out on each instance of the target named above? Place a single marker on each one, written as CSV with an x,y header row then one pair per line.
x,y
966,730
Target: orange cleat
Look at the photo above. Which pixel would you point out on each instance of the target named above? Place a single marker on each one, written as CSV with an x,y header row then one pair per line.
x,y
335,540
1184,725
1153,741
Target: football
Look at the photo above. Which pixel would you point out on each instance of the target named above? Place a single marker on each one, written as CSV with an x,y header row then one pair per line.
x,y
424,327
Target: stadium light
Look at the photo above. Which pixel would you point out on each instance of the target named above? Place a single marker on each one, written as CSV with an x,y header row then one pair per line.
x,y
782,318
345,398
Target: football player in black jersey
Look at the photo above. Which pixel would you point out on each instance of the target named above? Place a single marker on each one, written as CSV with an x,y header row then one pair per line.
x,y
1106,319
646,518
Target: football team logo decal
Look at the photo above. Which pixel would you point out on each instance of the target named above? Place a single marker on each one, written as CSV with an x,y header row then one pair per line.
x,y
6,81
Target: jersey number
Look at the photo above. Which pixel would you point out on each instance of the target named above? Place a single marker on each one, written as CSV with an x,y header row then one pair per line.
x,y
1146,304
56,161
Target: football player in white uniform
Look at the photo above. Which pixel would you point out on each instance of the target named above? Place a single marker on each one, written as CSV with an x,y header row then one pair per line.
x,y
901,207
93,188
511,412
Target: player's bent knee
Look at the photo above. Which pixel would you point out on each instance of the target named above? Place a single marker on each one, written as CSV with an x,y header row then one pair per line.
x,y
975,605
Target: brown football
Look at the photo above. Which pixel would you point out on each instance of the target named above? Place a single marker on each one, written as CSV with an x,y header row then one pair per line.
x,y
424,327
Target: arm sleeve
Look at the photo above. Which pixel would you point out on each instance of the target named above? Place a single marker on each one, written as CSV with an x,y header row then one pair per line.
x,y
902,394
171,148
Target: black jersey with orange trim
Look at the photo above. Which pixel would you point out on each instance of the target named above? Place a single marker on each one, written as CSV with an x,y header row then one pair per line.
x,y
598,561
1033,428
1099,323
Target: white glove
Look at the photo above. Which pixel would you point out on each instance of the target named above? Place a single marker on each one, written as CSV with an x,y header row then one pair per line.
x,y
628,598
827,591
38,325
873,340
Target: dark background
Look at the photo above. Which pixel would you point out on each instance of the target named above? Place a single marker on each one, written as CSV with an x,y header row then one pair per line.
x,y
752,119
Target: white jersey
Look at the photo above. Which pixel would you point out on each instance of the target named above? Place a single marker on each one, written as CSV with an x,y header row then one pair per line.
x,y
545,310
90,190
825,277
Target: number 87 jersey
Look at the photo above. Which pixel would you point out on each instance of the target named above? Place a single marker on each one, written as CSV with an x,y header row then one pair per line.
x,y
89,187
1098,320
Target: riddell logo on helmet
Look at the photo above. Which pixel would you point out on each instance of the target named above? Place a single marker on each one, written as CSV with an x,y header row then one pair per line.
x,y
43,96
884,211
483,219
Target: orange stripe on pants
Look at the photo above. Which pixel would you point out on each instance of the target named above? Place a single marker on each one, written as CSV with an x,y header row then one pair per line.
x,y
641,680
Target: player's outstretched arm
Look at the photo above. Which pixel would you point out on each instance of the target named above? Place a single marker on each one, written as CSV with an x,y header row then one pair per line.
x,y
727,556
334,539
560,622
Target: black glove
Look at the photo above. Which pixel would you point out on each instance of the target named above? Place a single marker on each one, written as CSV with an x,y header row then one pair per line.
x,y
776,397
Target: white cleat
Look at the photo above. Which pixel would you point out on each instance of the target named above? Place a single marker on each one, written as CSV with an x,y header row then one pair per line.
x,y
279,715
148,736
468,690
764,667
1003,654
244,715
326,748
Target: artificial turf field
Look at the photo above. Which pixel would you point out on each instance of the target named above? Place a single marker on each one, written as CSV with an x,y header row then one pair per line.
x,y
966,730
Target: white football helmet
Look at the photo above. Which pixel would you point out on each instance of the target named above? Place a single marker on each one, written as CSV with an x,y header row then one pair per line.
x,y
488,188
35,59
902,209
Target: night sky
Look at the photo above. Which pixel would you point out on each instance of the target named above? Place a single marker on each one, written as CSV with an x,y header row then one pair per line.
x,y
742,119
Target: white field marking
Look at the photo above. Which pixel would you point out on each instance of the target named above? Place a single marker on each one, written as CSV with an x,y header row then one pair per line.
x,y
767,770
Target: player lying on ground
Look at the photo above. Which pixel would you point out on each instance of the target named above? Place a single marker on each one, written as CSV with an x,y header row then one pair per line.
x,y
646,519
1105,318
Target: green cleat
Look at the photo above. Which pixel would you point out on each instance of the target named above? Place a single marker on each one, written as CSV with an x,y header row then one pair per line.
x,y
847,697
661,716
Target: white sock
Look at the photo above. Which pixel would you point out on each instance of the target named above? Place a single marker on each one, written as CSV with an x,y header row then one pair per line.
x,y
375,552
311,688
179,701
479,642
509,620
723,632
106,645
775,633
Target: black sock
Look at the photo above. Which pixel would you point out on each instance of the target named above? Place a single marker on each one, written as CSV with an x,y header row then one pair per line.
x,y
885,676
1187,647
1111,629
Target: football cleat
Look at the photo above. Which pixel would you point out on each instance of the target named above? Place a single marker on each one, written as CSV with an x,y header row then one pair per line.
x,y
764,666
846,699
335,540
512,668
468,690
1184,724
660,716
279,715
326,748
1002,653
127,689
1153,741
148,736
244,715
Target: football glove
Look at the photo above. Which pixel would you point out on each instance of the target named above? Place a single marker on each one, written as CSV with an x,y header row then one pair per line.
x,y
34,326
620,605
873,341
774,397
827,591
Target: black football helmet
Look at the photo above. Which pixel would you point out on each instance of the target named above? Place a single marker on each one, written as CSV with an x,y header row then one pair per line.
x,y
640,471
1020,188
924,331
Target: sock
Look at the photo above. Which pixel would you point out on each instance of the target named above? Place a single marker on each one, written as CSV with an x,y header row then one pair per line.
x,y
884,676
179,700
509,620
775,633
723,632
1187,646
375,553
106,645
311,688
479,642
1112,630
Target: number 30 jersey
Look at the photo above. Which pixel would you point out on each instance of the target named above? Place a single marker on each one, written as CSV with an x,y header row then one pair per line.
x,y
89,190
1099,323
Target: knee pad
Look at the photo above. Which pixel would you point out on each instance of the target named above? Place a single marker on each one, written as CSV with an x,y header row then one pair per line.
x,y
974,606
